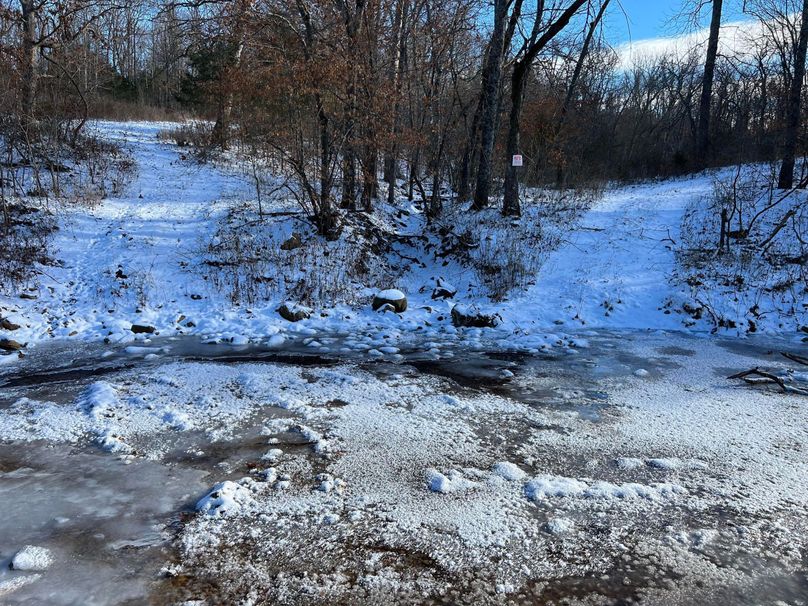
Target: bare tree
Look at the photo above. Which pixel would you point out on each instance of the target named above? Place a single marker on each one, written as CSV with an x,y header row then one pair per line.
x,y
794,107
705,104
492,76
531,47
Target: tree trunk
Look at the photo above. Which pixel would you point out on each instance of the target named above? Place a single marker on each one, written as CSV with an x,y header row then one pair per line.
x,y
369,178
398,46
221,129
705,105
793,110
576,75
349,152
326,220
490,101
29,71
464,176
510,201
521,71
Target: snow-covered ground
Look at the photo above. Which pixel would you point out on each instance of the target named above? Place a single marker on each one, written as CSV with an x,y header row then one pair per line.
x,y
588,450
140,259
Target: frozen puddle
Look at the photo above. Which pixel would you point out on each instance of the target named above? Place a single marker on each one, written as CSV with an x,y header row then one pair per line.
x,y
106,523
570,478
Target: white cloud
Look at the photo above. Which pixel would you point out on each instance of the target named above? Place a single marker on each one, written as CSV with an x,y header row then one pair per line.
x,y
738,39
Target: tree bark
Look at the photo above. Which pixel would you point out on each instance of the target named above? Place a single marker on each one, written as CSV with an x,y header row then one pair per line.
x,y
326,219
510,205
490,96
29,71
794,107
705,104
521,71
398,48
464,176
221,129
349,151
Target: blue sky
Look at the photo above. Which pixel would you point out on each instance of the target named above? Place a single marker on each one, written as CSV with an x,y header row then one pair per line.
x,y
648,19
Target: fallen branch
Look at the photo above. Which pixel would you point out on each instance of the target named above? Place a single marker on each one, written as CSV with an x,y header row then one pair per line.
x,y
745,376
795,358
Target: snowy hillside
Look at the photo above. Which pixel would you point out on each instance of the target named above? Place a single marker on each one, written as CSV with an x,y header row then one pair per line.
x,y
143,259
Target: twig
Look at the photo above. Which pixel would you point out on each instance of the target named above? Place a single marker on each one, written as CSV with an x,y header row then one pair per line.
x,y
795,358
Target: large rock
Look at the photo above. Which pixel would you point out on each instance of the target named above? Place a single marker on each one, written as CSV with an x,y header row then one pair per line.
x,y
295,241
444,290
10,345
470,316
141,329
294,312
396,299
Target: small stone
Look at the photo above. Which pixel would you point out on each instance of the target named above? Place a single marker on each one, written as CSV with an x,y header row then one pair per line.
x,y
32,558
10,345
293,242
28,296
7,324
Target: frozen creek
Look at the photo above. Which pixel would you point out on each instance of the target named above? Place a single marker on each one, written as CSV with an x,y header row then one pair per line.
x,y
624,469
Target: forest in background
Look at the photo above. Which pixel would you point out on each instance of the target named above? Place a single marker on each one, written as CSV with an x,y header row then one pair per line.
x,y
359,102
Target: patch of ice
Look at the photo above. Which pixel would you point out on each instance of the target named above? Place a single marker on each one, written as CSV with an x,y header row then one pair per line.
x,y
666,464
273,455
544,486
452,481
318,442
629,463
509,471
276,341
225,498
559,526
330,519
110,441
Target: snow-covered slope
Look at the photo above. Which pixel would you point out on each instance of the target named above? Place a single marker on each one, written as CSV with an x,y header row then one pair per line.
x,y
136,259
614,269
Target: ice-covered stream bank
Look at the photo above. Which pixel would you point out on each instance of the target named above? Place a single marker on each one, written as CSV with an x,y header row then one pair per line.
x,y
623,469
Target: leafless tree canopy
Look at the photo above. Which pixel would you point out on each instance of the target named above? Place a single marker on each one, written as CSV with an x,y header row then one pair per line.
x,y
432,98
